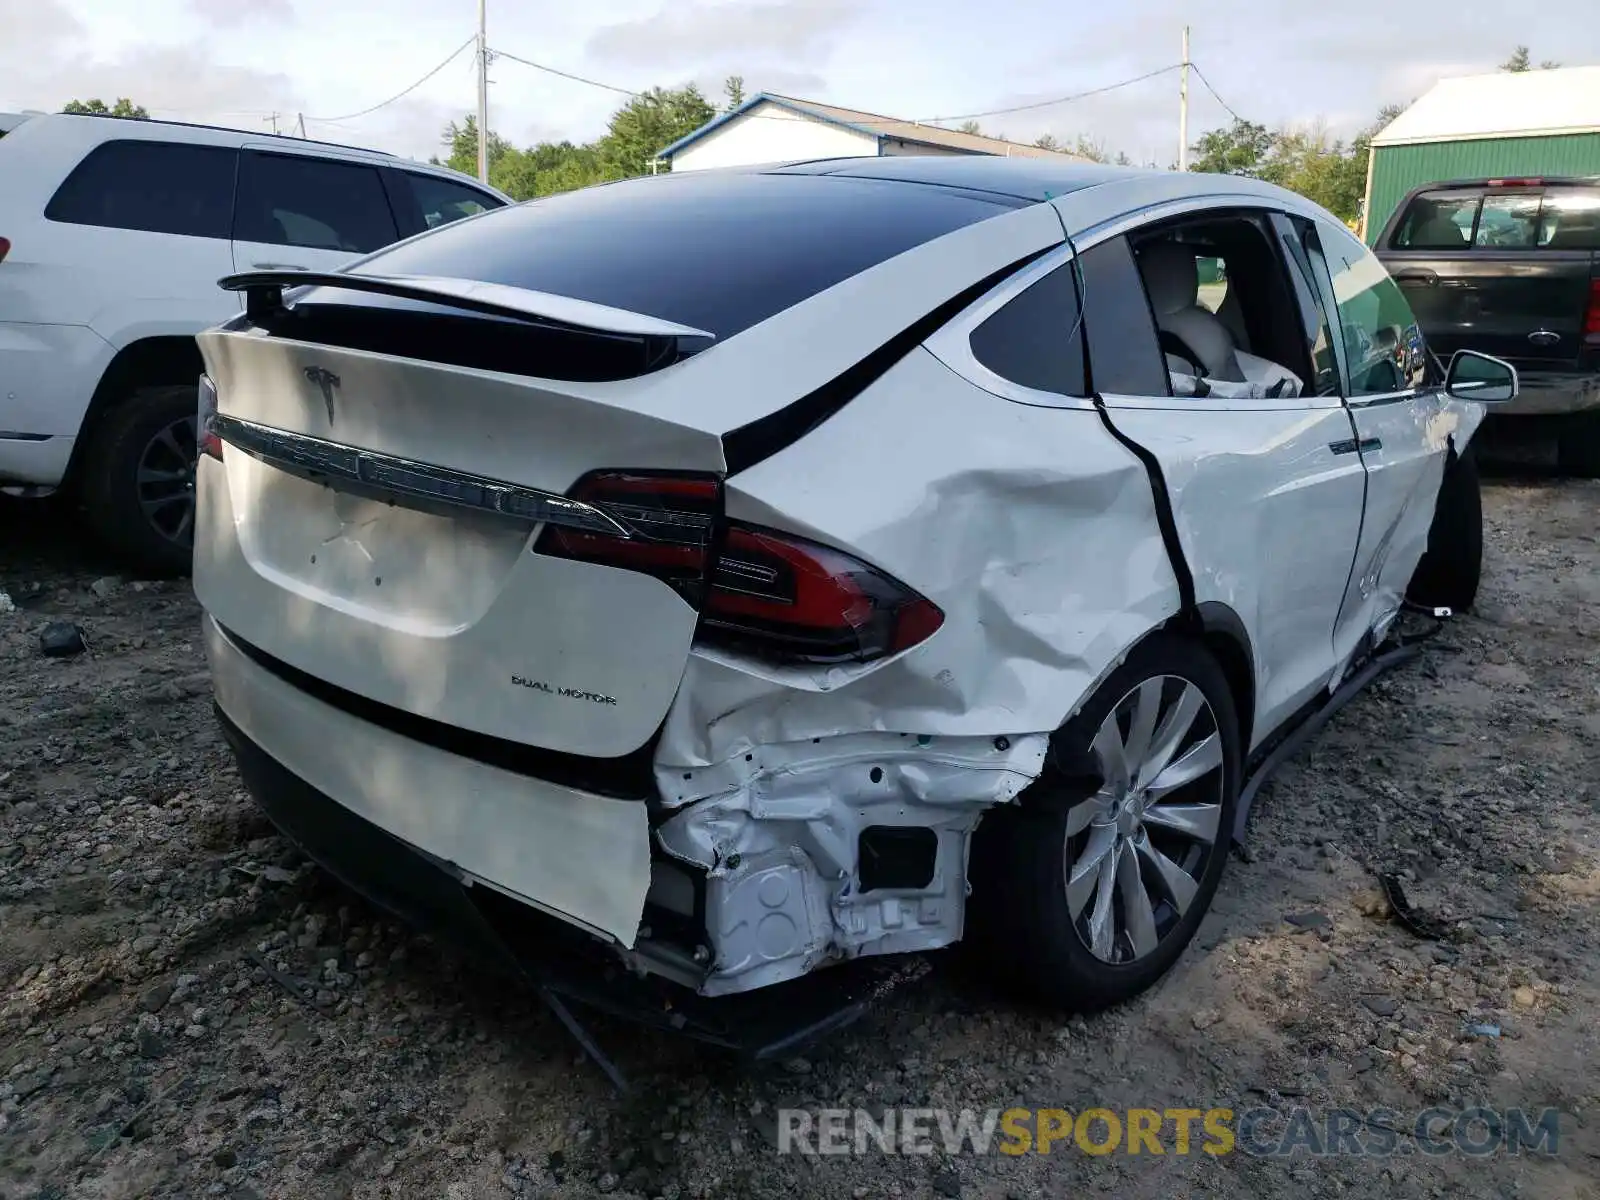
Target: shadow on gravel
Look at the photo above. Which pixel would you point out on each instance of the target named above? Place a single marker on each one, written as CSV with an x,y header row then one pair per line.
x,y
45,538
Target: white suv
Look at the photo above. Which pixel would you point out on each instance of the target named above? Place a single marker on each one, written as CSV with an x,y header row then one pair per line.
x,y
113,234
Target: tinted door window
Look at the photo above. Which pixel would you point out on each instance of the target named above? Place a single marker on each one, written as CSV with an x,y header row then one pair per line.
x,y
159,187
1570,219
442,201
1384,351
1508,221
1437,221
1035,340
1318,332
316,203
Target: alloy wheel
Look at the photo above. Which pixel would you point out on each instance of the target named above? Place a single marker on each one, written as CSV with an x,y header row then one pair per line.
x,y
1137,849
165,481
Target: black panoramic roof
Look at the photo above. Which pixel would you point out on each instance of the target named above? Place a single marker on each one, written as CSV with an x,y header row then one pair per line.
x,y
1032,179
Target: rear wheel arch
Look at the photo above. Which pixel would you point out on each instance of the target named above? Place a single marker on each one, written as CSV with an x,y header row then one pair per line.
x,y
166,360
1223,633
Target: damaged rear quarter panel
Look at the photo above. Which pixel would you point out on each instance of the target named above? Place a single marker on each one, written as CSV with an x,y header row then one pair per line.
x,y
1035,532
1032,529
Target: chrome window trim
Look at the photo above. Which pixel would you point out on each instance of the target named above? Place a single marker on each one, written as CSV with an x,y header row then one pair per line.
x,y
423,485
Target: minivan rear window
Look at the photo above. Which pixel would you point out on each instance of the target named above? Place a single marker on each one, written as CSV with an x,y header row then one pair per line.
x,y
715,252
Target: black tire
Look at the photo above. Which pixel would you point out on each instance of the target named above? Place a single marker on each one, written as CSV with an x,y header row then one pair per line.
x,y
114,501
1578,452
1020,926
1448,575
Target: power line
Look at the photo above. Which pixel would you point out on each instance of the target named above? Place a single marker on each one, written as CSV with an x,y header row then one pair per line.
x,y
1196,68
527,62
1000,112
454,54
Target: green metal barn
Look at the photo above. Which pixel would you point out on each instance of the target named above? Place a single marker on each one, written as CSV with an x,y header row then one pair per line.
x,y
1487,126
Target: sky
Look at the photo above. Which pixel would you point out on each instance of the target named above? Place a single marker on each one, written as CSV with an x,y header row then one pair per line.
x,y
1276,62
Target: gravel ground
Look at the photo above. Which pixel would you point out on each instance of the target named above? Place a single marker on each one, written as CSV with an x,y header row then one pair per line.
x,y
149,916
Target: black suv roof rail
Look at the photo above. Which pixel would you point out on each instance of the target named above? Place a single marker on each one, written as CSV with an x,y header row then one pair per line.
x,y
282,137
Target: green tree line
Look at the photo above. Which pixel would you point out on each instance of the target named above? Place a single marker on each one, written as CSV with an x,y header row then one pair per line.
x,y
634,135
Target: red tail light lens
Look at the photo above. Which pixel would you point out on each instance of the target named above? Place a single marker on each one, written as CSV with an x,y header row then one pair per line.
x,y
672,519
759,591
1591,318
782,597
205,420
5,248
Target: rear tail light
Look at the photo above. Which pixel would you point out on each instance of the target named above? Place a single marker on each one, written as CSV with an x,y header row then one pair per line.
x,y
1591,318
205,426
759,591
1516,183
5,248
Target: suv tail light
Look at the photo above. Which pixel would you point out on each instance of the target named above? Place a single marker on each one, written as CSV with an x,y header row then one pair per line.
x,y
205,426
1591,318
759,591
5,248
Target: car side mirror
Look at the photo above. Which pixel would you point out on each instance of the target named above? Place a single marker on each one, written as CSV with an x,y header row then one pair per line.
x,y
1475,376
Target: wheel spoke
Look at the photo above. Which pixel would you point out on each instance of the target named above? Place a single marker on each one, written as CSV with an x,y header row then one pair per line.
x,y
152,475
1178,885
1197,761
1102,922
1111,756
1142,724
1137,911
169,442
1082,814
1169,736
184,525
1195,821
155,504
1085,871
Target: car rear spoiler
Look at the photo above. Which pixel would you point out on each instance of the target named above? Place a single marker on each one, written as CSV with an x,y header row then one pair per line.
x,y
264,294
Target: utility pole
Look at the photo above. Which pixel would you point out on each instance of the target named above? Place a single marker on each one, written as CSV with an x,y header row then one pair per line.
x,y
301,120
483,91
1183,107
274,120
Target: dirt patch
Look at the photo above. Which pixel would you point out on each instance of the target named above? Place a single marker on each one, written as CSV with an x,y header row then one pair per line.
x,y
149,918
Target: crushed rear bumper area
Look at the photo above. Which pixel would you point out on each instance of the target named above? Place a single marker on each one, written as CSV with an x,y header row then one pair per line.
x,y
438,898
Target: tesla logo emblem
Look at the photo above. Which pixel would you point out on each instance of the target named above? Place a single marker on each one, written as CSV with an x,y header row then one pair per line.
x,y
327,381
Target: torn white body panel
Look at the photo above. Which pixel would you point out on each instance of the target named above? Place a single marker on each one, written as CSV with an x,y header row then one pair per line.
x,y
778,833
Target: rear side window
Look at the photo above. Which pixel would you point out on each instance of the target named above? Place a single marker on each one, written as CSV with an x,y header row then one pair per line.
x,y
316,203
158,187
1438,221
713,252
442,201
1035,340
1570,219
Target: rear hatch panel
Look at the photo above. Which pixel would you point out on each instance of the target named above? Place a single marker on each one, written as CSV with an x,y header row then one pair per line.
x,y
442,610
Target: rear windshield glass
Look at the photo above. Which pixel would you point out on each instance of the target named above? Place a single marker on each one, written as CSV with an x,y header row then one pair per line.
x,y
715,252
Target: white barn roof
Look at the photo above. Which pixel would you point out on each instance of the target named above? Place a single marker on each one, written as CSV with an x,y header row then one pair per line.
x,y
1504,104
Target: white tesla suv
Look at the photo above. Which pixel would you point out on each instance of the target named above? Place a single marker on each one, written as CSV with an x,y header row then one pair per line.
x,y
764,570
